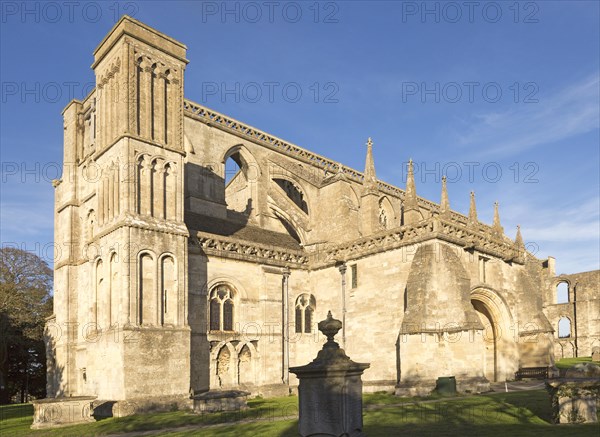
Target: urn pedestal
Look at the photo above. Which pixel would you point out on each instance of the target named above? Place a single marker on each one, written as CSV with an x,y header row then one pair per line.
x,y
330,390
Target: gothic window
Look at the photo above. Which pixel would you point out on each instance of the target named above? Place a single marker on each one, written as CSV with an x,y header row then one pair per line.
x,y
305,308
564,328
228,315
221,308
562,292
215,311
298,318
293,193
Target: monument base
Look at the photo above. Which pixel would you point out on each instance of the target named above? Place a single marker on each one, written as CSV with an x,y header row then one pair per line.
x,y
57,412
574,400
217,401
426,386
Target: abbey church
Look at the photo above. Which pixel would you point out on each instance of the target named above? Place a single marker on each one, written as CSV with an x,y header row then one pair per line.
x,y
185,276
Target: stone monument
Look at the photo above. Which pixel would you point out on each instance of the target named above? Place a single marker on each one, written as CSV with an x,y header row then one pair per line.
x,y
330,390
575,397
52,413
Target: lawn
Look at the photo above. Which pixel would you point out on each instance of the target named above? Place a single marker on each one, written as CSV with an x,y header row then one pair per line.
x,y
567,363
523,413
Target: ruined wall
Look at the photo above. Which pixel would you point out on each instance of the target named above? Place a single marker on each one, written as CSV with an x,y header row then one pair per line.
x,y
580,312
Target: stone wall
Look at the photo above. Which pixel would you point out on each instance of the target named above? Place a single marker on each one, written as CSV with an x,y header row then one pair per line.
x,y
581,309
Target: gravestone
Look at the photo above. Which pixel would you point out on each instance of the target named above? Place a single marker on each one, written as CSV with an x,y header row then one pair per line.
x,y
596,354
330,390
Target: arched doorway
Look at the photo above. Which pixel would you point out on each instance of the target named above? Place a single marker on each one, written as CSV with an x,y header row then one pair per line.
x,y
501,355
490,342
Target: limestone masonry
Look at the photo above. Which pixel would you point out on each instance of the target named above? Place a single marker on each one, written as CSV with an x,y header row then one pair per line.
x,y
186,276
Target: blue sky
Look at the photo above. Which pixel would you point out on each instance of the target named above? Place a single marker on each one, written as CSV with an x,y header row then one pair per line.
x,y
504,98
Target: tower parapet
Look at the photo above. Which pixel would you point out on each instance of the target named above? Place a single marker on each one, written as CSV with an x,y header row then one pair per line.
x,y
139,79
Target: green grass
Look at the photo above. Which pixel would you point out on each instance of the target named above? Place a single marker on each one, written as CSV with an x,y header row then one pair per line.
x,y
523,413
567,363
19,418
15,419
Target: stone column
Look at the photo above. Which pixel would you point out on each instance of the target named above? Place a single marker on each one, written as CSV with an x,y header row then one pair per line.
x,y
330,391
342,267
285,373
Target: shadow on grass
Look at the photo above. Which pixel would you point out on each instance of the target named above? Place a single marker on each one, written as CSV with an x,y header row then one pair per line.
x,y
536,402
490,430
525,413
521,413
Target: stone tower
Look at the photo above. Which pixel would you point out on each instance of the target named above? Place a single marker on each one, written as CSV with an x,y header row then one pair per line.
x,y
121,208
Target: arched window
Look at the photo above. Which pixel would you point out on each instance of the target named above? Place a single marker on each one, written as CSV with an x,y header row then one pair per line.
x,y
238,178
564,328
305,308
147,290
562,292
221,308
113,278
168,290
293,192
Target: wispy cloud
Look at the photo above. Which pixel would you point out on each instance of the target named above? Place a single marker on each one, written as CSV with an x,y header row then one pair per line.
x,y
571,236
571,111
577,224
24,221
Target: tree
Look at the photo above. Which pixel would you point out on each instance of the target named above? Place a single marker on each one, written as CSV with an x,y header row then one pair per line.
x,y
25,303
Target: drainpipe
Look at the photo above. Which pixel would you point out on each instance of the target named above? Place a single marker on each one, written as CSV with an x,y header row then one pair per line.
x,y
285,375
575,317
342,268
